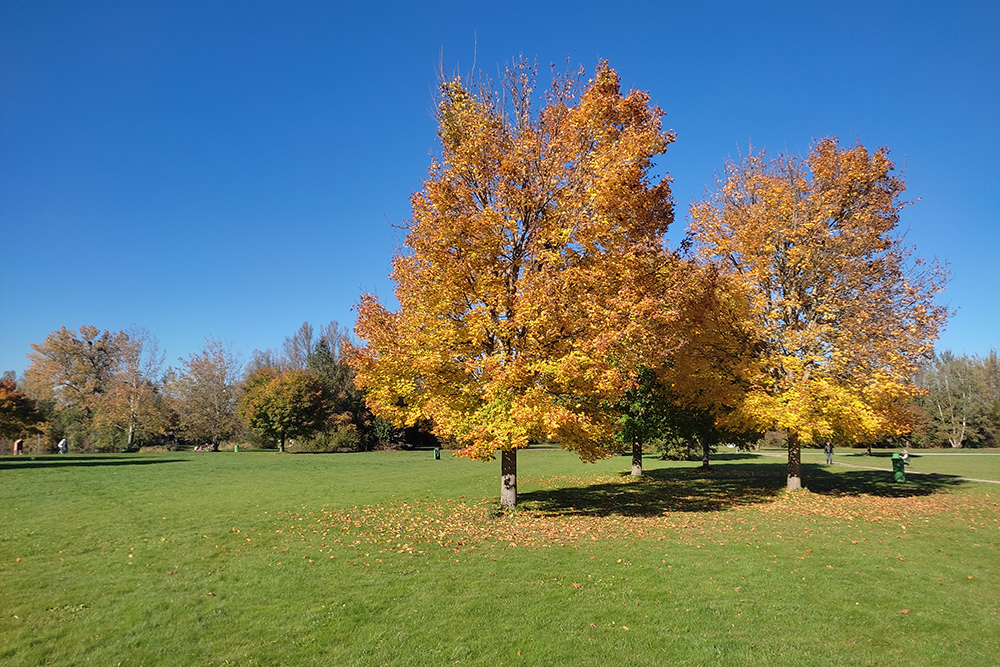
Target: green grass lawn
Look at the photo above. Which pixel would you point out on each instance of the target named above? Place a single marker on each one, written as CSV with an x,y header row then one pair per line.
x,y
396,559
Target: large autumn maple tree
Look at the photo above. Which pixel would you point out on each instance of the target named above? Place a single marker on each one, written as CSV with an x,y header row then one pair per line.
x,y
531,281
840,310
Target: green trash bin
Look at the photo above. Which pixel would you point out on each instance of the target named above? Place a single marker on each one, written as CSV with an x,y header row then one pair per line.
x,y
898,471
437,453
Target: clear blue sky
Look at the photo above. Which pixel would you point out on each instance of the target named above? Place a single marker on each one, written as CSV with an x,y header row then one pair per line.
x,y
232,169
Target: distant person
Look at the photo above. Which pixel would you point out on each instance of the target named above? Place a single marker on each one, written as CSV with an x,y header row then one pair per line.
x,y
828,448
18,446
63,446
905,455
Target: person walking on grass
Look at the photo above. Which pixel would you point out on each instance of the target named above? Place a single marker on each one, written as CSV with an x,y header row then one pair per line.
x,y
828,448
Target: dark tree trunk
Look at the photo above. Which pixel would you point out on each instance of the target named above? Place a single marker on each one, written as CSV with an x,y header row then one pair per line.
x,y
281,445
706,449
794,462
637,457
508,477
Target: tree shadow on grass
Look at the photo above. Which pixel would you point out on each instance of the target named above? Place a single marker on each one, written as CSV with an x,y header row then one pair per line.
x,y
820,479
56,461
661,490
718,488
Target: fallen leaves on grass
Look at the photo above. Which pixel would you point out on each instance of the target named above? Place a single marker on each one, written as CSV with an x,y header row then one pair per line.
x,y
413,526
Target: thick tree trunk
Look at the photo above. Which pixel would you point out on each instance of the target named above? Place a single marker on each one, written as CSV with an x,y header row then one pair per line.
x,y
794,462
637,457
706,449
281,445
508,477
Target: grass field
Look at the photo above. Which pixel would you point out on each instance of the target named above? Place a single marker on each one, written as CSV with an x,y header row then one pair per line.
x,y
393,558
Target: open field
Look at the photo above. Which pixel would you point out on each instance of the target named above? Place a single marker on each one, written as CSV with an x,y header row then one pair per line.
x,y
396,559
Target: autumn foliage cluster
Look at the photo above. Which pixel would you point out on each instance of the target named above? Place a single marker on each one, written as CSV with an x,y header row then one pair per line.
x,y
108,391
535,288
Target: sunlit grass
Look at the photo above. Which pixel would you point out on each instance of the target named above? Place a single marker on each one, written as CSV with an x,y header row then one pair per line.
x,y
394,558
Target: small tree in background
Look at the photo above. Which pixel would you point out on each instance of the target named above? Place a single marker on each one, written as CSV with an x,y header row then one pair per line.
x,y
280,405
962,399
133,403
205,394
349,422
19,414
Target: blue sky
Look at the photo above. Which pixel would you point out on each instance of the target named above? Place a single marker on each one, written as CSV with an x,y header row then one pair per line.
x,y
233,169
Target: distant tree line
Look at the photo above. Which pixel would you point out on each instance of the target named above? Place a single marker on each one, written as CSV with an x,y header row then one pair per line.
x,y
960,406
106,391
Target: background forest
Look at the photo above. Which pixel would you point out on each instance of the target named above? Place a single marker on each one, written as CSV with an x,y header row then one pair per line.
x,y
111,391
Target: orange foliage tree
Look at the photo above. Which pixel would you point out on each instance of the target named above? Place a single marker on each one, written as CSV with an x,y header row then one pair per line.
x,y
840,311
75,369
19,415
531,281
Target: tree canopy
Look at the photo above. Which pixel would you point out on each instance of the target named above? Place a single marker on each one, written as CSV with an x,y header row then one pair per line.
x,y
842,312
530,286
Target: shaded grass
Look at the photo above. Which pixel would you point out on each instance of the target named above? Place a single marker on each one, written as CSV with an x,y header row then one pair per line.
x,y
289,560
975,463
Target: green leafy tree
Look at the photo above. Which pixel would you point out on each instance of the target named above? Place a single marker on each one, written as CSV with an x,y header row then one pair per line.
x,y
643,416
651,414
349,422
280,405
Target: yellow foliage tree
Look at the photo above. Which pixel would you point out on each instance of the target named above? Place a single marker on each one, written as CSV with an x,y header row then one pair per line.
x,y
840,311
532,276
